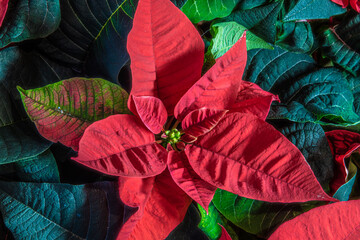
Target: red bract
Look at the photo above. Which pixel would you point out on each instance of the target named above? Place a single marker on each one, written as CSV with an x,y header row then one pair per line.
x,y
355,4
3,8
215,137
342,144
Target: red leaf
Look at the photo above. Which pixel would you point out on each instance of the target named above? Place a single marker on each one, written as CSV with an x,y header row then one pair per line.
x,y
134,192
121,145
187,179
218,88
342,143
3,9
164,210
224,234
201,121
355,4
252,99
246,156
166,52
337,221
152,112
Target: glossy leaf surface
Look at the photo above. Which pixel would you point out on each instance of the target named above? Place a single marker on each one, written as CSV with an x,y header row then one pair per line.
x,y
335,221
263,174
151,111
121,145
188,180
21,24
216,89
209,222
166,60
63,110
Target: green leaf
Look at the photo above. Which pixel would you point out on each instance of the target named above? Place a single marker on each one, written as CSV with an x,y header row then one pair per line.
x,y
354,83
57,211
26,20
343,193
256,217
209,222
206,10
323,96
295,36
314,9
339,52
349,30
260,20
226,34
71,105
310,139
42,168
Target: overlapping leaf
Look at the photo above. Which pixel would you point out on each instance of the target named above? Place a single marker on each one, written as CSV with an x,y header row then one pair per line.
x,y
22,24
63,110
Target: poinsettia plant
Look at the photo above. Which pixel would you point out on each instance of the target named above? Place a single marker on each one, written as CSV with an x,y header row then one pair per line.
x,y
187,119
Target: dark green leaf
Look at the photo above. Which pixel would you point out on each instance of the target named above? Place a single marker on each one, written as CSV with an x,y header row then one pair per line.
x,y
92,36
256,217
42,168
260,20
206,10
57,211
349,30
310,139
29,20
314,9
339,52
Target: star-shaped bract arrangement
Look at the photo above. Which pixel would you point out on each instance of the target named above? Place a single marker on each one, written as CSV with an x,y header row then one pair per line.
x,y
190,133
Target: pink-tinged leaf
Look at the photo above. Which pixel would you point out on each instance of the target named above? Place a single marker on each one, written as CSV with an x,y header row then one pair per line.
x,y
166,52
134,192
164,210
201,121
224,234
343,3
252,99
152,112
337,221
342,143
218,88
187,179
63,110
355,4
121,145
247,156
3,9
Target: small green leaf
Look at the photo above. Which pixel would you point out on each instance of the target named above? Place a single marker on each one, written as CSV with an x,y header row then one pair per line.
x,y
256,217
314,9
260,20
71,105
206,10
26,20
209,222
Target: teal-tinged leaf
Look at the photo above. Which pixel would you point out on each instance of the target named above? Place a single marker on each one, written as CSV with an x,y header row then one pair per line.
x,y
339,52
314,9
92,36
249,4
256,217
323,96
260,20
270,69
63,110
354,83
226,34
57,211
343,193
295,36
206,10
26,20
310,139
209,222
41,168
